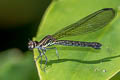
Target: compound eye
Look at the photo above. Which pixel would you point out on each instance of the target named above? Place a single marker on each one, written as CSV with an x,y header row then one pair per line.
x,y
30,45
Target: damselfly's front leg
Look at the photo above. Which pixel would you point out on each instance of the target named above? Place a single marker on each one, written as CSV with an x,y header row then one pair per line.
x,y
40,55
44,51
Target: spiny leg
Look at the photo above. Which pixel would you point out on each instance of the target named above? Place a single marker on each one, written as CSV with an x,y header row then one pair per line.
x,y
56,51
44,51
40,55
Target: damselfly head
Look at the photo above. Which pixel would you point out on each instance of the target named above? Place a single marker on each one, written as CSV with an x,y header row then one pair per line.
x,y
32,44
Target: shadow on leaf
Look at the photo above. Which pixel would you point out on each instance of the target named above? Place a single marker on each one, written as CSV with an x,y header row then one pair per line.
x,y
107,59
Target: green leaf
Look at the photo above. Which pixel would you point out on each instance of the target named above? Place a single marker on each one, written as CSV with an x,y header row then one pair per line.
x,y
15,66
77,63
116,76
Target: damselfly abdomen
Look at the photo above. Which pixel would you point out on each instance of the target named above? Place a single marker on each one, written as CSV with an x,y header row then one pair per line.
x,y
91,23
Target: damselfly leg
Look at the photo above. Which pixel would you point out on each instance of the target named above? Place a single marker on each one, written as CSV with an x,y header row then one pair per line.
x,y
55,49
41,52
44,51
40,56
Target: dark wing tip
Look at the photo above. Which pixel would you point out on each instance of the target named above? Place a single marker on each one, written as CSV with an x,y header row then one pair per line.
x,y
110,9
105,9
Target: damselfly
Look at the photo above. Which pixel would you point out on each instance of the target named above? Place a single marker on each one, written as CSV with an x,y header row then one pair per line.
x,y
91,23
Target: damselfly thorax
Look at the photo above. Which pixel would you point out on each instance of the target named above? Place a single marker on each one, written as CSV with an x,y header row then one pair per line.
x,y
45,42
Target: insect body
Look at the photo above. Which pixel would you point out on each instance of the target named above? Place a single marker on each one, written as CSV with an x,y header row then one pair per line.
x,y
91,23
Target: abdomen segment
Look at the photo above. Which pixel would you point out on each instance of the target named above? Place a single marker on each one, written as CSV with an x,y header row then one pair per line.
x,y
94,45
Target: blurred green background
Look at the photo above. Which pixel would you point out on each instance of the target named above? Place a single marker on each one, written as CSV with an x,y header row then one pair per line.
x,y
19,22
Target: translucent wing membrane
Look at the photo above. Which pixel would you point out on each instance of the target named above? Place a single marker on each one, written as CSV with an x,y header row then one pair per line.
x,y
91,23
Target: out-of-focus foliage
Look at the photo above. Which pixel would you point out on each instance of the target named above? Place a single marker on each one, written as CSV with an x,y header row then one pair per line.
x,y
19,20
15,66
